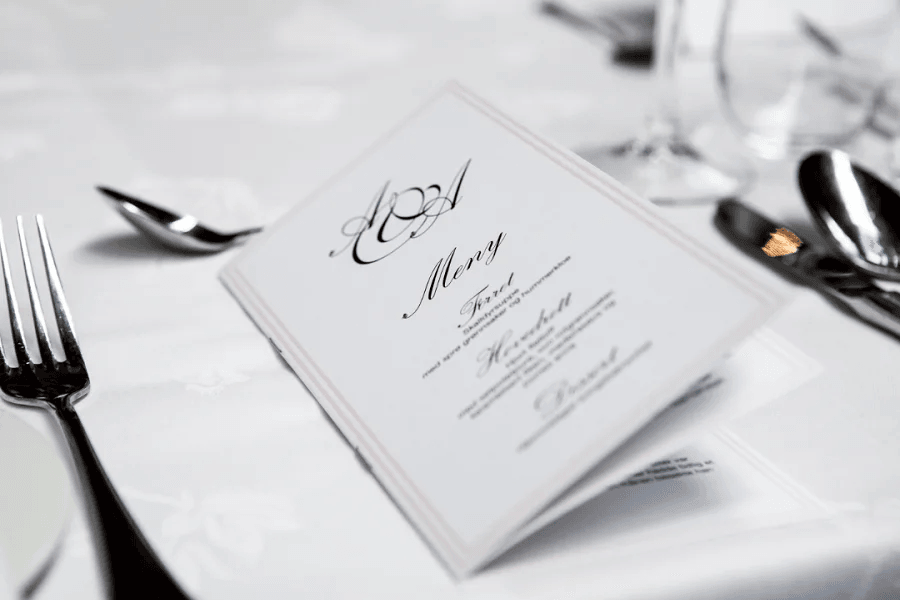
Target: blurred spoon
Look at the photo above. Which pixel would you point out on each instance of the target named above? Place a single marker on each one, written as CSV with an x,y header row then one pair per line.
x,y
858,212
178,232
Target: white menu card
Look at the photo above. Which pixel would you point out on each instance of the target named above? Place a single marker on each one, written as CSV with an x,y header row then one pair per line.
x,y
486,317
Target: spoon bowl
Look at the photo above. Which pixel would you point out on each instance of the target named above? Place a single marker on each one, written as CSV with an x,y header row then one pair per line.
x,y
858,212
178,232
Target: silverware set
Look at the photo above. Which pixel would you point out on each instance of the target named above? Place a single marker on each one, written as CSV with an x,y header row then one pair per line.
x,y
55,383
858,216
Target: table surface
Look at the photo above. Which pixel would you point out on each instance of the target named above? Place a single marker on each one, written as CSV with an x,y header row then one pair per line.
x,y
237,110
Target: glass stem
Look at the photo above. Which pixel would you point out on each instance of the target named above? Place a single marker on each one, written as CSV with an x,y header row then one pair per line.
x,y
665,123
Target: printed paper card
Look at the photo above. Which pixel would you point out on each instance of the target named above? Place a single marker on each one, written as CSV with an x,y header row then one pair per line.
x,y
486,317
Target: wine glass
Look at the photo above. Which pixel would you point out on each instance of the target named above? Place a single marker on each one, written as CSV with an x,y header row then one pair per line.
x,y
800,74
661,164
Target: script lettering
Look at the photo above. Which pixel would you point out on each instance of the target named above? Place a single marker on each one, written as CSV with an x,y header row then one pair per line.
x,y
393,219
440,275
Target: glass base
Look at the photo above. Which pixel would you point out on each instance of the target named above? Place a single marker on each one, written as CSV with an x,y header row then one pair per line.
x,y
670,171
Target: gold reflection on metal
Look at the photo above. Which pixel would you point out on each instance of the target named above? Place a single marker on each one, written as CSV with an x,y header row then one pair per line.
x,y
783,242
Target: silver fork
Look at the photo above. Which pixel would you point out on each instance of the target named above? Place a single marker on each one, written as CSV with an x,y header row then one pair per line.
x,y
130,567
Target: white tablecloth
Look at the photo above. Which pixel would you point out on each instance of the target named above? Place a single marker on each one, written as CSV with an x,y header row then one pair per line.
x,y
235,111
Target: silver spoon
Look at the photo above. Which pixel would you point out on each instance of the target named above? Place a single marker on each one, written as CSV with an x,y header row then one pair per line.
x,y
179,232
858,212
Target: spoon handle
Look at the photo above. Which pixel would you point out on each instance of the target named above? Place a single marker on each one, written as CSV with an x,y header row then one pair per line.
x,y
880,308
854,292
870,303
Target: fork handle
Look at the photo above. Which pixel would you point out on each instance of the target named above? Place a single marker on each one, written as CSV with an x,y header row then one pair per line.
x,y
129,565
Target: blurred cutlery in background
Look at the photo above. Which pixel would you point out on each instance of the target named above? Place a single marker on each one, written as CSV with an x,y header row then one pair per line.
x,y
857,213
814,267
627,29
885,119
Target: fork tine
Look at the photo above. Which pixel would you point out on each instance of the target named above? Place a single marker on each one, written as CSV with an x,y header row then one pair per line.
x,y
14,321
37,312
58,298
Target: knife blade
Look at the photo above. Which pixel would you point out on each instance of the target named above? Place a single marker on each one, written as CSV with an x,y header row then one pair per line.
x,y
834,278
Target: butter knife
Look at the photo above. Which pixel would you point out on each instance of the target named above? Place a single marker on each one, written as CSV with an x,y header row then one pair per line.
x,y
832,277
